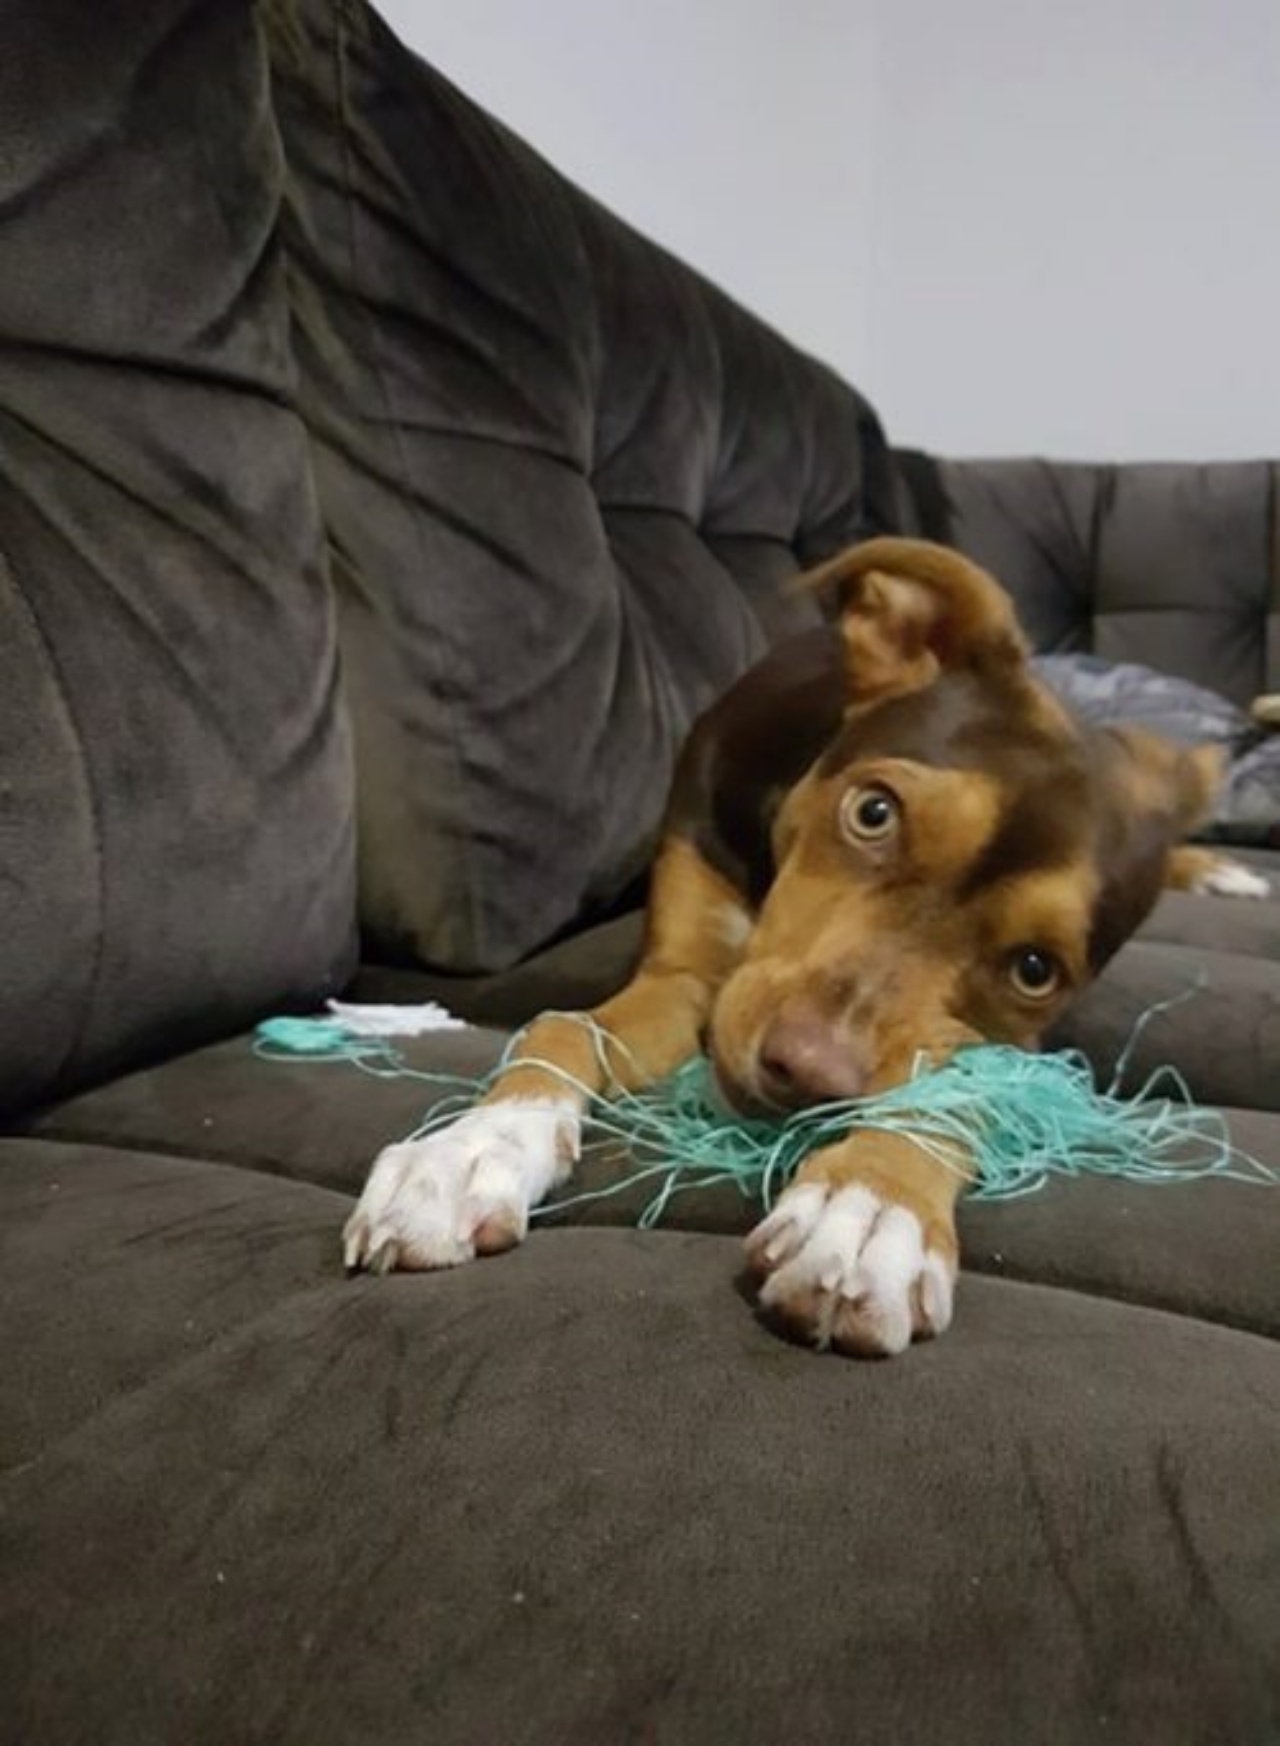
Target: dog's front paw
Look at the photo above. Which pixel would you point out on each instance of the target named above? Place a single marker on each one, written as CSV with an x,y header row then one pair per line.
x,y
464,1190
844,1268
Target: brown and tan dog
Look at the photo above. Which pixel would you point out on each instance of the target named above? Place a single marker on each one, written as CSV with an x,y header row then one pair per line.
x,y
888,839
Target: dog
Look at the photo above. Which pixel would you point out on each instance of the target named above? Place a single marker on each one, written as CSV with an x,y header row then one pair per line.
x,y
887,841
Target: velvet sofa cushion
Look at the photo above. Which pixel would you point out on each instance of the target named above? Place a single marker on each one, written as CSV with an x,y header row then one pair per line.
x,y
1205,1248
563,479
175,789
1175,565
580,1493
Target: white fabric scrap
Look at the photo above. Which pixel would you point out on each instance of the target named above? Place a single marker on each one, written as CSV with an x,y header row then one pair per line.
x,y
394,1021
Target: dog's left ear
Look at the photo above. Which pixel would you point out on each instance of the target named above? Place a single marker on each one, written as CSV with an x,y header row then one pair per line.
x,y
909,610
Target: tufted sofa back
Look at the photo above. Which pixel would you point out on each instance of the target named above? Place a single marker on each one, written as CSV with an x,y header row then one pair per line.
x,y
563,478
1176,565
176,851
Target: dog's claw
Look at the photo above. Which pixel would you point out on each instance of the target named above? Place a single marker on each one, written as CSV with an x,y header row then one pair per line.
x,y
355,1238
385,1259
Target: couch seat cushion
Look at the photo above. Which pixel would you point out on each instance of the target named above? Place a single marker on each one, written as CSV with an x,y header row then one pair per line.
x,y
116,1265
1220,1027
319,1121
581,1494
1206,1248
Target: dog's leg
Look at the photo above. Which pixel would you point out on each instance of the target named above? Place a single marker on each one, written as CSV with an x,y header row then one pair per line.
x,y
860,1253
1210,874
467,1189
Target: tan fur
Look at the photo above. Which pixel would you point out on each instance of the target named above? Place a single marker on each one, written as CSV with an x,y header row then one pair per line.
x,y
908,608
1051,908
1159,776
1189,868
696,925
819,915
899,1171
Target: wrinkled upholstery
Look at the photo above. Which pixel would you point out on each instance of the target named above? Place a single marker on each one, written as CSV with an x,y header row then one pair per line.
x,y
563,478
175,824
579,1493
584,1496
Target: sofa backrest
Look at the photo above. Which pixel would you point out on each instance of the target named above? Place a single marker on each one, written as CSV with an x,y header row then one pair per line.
x,y
176,843
564,480
1173,565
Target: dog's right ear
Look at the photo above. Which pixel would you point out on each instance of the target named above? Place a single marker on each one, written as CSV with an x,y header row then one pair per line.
x,y
910,610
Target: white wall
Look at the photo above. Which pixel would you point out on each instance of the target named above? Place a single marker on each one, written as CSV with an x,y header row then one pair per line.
x,y
707,124
1077,226
1048,225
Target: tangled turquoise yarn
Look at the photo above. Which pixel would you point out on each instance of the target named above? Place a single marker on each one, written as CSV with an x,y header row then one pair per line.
x,y
1019,1118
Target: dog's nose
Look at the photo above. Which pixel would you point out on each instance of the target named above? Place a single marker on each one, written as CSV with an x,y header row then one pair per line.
x,y
803,1059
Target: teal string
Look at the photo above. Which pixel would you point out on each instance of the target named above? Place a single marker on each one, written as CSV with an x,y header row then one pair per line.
x,y
302,1036
329,1042
1020,1118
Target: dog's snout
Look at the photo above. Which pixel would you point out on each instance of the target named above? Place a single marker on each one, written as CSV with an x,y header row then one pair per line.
x,y
804,1059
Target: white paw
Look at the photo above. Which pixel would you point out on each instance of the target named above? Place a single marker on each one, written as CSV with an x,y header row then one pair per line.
x,y
1227,878
850,1270
465,1190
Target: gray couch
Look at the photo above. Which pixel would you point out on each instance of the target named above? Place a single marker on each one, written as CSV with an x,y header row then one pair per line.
x,y
375,514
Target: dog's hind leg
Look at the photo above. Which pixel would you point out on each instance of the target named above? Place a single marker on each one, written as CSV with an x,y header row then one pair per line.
x,y
1210,874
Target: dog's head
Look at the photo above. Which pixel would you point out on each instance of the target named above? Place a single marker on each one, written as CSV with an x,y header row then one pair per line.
x,y
960,861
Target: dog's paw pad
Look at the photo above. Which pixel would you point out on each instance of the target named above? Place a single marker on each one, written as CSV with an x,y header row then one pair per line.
x,y
463,1191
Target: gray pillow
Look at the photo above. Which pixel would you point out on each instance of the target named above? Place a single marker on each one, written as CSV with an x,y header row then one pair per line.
x,y
1251,791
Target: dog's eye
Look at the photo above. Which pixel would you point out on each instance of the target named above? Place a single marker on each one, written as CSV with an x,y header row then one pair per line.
x,y
1035,974
869,814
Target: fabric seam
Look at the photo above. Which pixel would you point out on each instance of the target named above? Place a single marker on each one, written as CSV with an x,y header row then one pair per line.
x,y
342,14
72,1052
